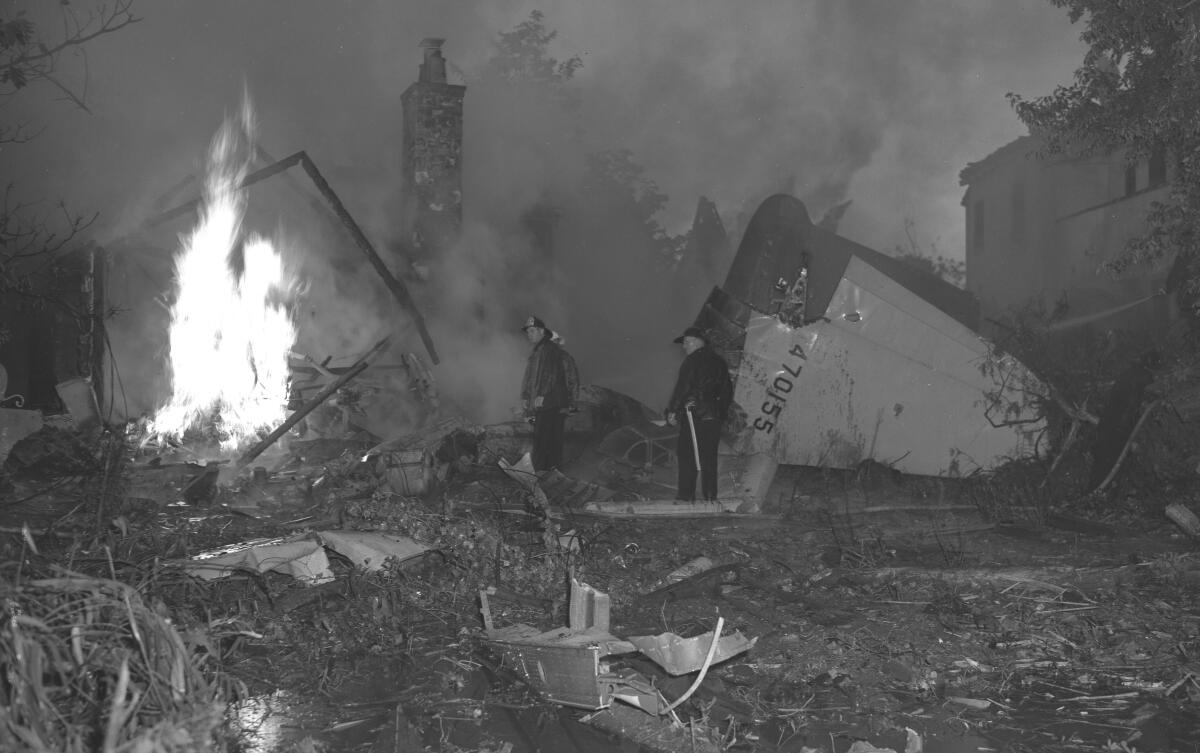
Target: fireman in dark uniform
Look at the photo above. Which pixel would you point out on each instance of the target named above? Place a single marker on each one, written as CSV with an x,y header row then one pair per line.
x,y
548,392
702,392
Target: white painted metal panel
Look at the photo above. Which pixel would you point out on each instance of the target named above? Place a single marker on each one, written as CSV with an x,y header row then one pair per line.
x,y
887,377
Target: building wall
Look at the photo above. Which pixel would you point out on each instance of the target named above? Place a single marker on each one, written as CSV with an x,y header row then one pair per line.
x,y
52,329
1090,238
1007,223
1040,229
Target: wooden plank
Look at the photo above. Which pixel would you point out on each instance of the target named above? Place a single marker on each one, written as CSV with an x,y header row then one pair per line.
x,y
669,508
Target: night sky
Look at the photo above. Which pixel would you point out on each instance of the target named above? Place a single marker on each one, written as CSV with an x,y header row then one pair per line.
x,y
877,101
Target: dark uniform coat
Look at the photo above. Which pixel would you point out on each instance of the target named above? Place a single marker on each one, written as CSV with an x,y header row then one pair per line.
x,y
703,381
551,374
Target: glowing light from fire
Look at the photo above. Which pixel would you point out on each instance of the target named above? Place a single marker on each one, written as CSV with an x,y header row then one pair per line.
x,y
230,330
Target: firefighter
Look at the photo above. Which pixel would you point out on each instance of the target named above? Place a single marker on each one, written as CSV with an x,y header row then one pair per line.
x,y
698,405
548,392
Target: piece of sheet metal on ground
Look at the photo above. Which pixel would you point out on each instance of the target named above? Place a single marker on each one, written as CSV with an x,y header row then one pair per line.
x,y
885,376
300,557
371,550
679,656
562,664
304,557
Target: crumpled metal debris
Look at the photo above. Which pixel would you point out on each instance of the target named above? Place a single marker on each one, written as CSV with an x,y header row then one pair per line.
x,y
679,656
564,665
304,557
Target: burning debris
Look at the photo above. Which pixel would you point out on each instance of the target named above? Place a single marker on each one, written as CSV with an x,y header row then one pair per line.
x,y
231,329
338,542
341,556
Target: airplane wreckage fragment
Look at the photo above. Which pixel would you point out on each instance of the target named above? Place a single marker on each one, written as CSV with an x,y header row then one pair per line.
x,y
303,556
565,665
841,354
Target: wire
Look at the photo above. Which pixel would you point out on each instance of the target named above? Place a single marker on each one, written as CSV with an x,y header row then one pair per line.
x,y
42,491
114,370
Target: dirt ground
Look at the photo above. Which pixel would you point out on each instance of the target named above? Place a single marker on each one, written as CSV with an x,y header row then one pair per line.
x,y
885,612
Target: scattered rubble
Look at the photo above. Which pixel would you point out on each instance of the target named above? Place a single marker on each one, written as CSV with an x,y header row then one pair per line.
x,y
303,557
858,610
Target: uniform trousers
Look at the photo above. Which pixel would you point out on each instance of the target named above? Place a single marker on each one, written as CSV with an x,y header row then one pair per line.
x,y
708,435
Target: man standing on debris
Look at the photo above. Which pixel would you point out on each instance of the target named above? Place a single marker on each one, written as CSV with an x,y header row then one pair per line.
x,y
548,392
698,405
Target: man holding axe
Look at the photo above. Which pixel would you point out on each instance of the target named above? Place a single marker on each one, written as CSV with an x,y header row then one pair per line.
x,y
698,404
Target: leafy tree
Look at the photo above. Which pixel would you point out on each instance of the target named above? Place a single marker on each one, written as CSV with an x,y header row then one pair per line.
x,y
522,54
615,173
612,177
1136,91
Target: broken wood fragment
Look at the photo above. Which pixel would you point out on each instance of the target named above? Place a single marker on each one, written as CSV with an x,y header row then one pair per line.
x,y
668,508
1128,443
304,410
1184,518
706,583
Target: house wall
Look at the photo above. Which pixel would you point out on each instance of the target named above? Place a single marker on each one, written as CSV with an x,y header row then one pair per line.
x,y
1007,224
51,328
1088,239
1042,230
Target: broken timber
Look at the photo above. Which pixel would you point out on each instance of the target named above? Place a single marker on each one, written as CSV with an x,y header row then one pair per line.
x,y
396,286
304,410
668,508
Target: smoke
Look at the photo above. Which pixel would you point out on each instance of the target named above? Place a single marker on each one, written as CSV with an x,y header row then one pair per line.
x,y
877,102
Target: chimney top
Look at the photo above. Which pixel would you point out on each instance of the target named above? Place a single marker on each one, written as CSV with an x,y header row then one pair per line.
x,y
433,65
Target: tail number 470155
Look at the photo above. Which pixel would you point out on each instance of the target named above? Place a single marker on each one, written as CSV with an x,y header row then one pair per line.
x,y
779,390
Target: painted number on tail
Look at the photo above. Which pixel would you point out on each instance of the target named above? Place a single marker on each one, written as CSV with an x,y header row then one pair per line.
x,y
778,391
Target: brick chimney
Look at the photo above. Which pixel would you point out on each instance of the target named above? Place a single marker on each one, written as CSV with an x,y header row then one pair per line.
x,y
432,156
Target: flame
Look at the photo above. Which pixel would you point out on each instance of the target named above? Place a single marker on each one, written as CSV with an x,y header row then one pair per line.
x,y
230,333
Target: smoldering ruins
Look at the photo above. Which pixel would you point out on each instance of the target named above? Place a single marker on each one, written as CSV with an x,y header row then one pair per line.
x,y
314,523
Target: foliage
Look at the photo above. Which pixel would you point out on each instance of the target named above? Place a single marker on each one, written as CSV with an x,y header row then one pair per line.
x,y
1075,372
616,174
28,56
931,260
26,234
523,59
953,271
91,666
1137,92
522,54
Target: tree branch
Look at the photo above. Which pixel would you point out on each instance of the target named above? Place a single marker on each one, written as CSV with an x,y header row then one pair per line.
x,y
31,59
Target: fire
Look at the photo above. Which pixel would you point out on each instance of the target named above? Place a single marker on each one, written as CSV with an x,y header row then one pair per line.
x,y
230,330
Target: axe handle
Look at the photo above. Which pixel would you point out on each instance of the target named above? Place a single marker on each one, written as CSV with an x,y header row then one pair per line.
x,y
695,444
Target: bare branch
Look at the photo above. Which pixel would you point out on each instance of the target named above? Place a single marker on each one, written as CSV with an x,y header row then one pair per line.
x,y
105,21
69,95
31,58
27,234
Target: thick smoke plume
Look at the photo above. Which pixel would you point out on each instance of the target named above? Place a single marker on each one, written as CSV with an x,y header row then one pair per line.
x,y
876,101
